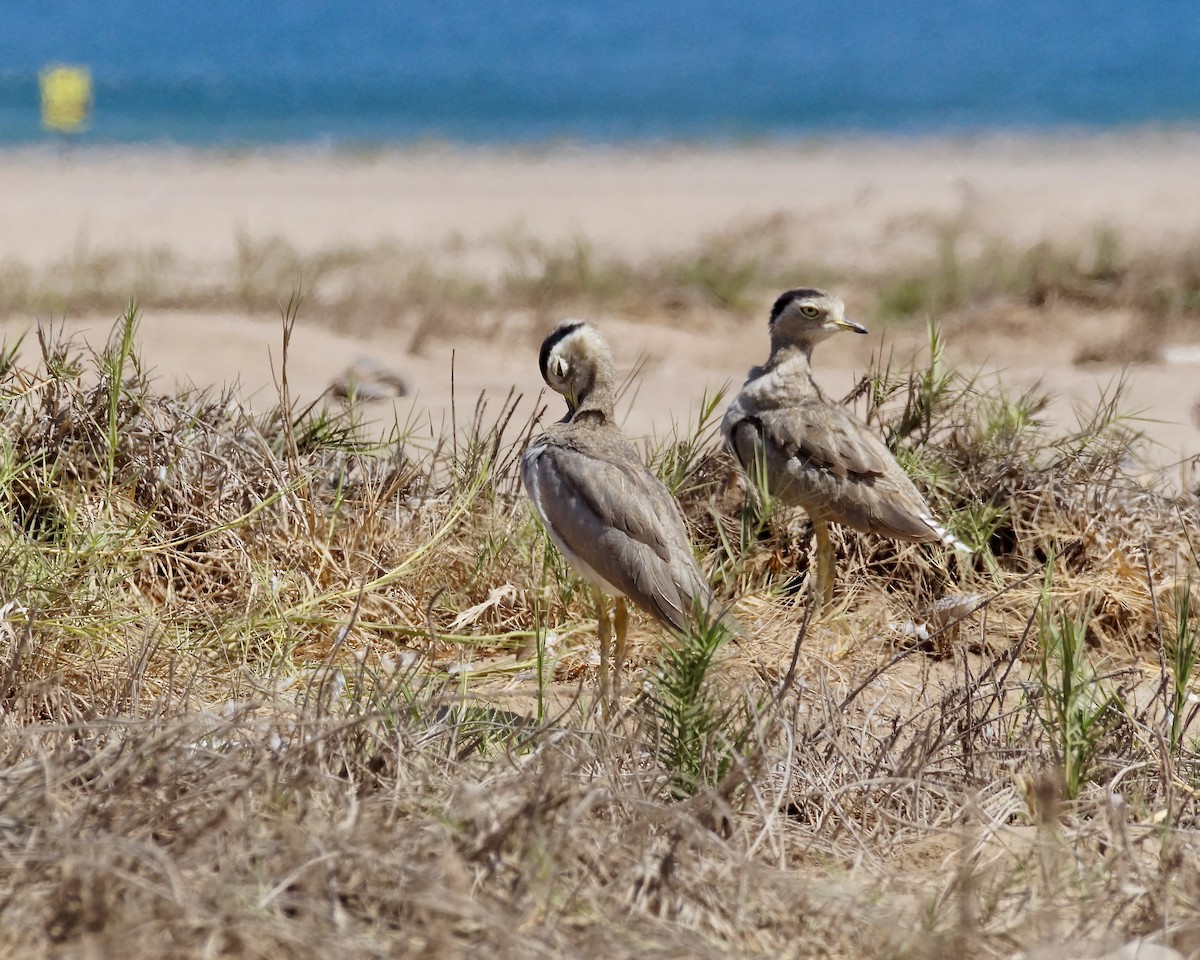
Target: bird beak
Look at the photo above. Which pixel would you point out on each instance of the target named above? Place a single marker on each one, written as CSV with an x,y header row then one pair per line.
x,y
844,324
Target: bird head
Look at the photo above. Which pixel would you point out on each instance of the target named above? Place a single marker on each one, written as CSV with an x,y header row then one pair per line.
x,y
575,361
806,316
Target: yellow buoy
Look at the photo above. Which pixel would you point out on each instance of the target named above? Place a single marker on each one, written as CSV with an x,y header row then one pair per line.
x,y
66,97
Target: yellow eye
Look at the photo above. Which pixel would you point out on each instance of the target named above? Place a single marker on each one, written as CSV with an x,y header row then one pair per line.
x,y
810,311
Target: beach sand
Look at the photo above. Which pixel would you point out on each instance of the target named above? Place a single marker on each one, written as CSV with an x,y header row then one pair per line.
x,y
858,204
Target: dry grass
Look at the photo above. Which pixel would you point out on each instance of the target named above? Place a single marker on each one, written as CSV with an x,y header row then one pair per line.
x,y
269,689
498,286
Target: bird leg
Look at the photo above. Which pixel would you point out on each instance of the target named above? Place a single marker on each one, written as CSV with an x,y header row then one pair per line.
x,y
621,622
604,629
825,568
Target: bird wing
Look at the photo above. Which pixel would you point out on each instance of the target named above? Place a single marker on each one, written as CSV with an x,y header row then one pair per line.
x,y
837,468
617,518
825,436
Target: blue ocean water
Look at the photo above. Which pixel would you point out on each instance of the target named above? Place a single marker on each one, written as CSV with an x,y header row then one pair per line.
x,y
232,72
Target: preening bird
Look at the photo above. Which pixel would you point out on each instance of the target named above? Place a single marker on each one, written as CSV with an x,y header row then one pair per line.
x,y
610,517
811,452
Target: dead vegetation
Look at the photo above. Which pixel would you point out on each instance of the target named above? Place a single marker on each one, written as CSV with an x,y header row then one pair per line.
x,y
268,688
516,284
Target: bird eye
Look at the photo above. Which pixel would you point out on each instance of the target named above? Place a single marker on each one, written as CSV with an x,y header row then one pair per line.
x,y
810,311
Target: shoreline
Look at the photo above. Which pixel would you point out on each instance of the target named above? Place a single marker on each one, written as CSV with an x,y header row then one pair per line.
x,y
1043,138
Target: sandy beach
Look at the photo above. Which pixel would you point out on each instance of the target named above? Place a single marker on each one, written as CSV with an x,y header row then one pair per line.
x,y
848,205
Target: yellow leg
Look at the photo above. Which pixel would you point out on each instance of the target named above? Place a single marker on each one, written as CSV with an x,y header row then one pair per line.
x,y
621,622
604,628
825,569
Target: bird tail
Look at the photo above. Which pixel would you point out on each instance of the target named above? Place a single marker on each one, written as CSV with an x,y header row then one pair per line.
x,y
946,536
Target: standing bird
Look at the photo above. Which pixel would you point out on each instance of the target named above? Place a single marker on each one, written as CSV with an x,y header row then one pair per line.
x,y
811,452
612,519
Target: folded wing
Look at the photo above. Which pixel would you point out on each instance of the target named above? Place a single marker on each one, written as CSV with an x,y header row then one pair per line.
x,y
817,455
622,523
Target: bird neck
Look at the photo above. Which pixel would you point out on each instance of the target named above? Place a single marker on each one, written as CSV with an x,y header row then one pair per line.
x,y
787,374
791,353
597,398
